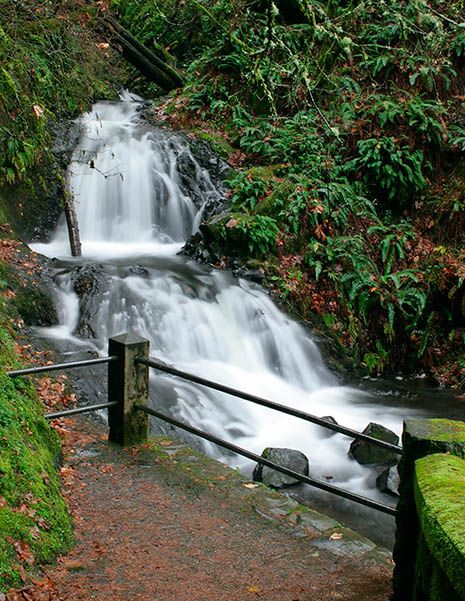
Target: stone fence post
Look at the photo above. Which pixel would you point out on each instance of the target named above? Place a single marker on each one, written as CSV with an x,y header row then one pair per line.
x,y
421,437
128,384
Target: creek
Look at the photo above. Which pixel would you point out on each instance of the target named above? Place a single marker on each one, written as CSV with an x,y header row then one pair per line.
x,y
139,194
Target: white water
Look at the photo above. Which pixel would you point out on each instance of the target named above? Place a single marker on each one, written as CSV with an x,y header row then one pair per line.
x,y
132,211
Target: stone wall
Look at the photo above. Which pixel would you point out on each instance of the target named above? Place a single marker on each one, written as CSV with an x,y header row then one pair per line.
x,y
439,488
430,521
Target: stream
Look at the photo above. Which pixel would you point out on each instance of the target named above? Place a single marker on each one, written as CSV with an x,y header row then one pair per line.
x,y
135,213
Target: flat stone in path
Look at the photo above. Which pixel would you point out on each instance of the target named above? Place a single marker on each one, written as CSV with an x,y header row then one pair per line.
x,y
164,523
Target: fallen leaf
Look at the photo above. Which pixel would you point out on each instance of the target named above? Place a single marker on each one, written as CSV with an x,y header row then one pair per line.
x,y
38,111
335,536
23,551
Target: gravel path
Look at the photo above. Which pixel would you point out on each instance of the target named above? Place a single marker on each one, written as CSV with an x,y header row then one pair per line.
x,y
154,525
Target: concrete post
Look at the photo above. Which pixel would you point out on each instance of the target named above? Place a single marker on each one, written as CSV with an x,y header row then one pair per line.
x,y
128,384
421,437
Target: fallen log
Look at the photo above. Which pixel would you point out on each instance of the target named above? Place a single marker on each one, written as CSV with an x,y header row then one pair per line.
x,y
146,61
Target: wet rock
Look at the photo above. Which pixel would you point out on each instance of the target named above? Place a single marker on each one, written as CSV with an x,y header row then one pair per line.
x,y
196,159
344,542
388,481
326,431
369,454
293,460
138,270
254,275
90,282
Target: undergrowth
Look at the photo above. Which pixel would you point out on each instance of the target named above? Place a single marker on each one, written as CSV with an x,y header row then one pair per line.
x,y
53,66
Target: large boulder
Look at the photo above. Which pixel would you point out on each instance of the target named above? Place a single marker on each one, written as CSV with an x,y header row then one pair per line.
x,y
369,454
293,460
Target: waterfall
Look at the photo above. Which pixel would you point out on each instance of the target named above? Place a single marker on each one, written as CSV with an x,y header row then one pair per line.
x,y
135,213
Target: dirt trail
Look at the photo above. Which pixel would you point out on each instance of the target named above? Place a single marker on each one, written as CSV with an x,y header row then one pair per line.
x,y
163,524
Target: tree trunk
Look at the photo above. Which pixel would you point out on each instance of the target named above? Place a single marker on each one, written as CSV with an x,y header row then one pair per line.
x,y
73,227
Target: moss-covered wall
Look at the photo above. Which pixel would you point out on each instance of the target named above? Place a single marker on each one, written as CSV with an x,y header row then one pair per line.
x,y
34,522
421,438
439,486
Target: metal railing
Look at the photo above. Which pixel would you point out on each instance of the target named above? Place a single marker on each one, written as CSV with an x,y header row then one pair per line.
x,y
30,371
128,390
320,484
160,366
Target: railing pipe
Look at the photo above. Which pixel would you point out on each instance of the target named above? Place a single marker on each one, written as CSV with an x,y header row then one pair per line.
x,y
271,405
259,459
86,409
60,366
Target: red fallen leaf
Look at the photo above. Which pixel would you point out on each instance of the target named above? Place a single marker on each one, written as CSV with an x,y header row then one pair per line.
x,y
22,573
27,510
23,552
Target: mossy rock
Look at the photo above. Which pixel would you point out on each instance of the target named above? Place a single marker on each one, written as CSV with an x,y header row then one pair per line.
x,y
216,141
436,435
439,487
370,454
222,238
35,307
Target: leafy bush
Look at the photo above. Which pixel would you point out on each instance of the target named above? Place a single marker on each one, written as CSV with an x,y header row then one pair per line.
x,y
260,232
247,190
396,170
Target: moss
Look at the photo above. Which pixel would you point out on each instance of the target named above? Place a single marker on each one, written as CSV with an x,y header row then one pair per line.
x,y
35,307
34,522
440,499
216,142
38,86
440,430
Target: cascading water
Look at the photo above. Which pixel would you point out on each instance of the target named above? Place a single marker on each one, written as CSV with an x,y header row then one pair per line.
x,y
134,215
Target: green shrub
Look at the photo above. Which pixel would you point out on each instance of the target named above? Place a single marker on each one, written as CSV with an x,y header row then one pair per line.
x,y
396,170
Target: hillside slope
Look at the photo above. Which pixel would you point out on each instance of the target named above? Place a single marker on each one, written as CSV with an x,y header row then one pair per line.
x,y
347,121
